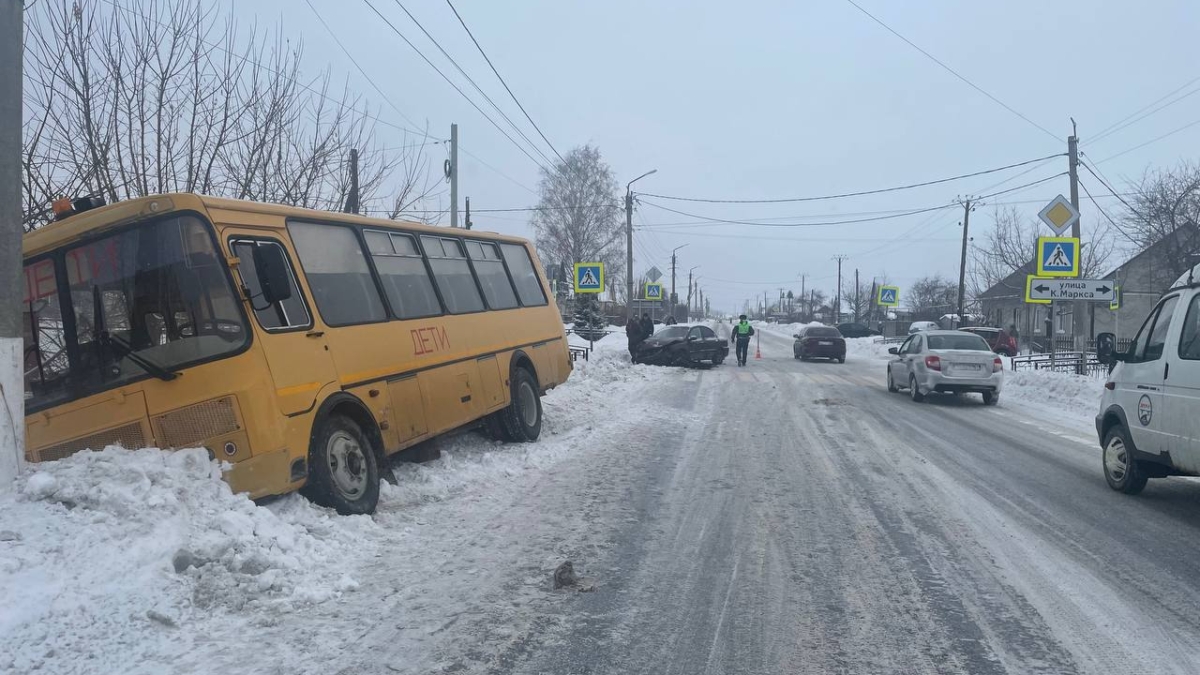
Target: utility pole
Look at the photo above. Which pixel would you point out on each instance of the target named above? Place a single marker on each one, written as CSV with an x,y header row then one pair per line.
x,y
12,423
673,282
803,294
689,295
837,308
452,174
467,217
1077,307
629,237
856,298
962,262
352,202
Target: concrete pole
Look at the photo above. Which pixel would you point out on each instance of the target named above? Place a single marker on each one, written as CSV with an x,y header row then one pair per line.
x,y
1077,307
12,389
962,262
453,175
629,248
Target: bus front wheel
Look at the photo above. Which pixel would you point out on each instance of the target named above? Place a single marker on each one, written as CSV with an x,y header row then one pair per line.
x,y
523,417
343,471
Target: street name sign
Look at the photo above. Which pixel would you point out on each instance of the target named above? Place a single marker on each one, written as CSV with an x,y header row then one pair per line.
x,y
1059,214
589,277
1049,289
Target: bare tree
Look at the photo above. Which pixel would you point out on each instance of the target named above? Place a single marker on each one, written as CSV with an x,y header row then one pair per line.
x,y
578,218
130,98
1166,203
931,297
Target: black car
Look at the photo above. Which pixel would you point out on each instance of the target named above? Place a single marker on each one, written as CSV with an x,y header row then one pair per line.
x,y
819,342
856,330
683,346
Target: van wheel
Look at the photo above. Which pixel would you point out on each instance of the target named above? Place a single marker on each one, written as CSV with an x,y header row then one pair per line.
x,y
343,470
523,416
914,390
991,398
892,388
1123,473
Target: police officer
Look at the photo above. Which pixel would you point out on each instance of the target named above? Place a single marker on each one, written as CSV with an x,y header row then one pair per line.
x,y
741,335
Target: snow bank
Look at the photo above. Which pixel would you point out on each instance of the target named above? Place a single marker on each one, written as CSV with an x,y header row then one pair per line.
x,y
113,561
869,348
1067,397
784,329
102,546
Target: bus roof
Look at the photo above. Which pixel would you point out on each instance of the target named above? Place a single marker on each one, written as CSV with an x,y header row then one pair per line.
x,y
220,209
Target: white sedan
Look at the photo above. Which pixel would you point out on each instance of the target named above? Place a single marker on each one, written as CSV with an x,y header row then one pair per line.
x,y
945,361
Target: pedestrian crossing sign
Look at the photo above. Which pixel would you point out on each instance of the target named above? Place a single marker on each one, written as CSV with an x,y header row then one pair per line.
x,y
889,296
589,277
654,291
1058,257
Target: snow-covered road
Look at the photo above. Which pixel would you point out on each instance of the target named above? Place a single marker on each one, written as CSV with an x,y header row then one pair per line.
x,y
785,517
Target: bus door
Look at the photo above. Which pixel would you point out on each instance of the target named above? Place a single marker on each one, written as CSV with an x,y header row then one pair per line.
x,y
297,353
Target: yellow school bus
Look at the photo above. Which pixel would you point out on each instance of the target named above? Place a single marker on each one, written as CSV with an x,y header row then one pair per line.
x,y
302,347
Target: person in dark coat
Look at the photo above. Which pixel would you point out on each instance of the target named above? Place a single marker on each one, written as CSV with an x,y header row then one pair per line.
x,y
635,334
647,326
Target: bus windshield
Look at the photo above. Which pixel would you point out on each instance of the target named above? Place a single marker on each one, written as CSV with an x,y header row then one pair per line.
x,y
164,301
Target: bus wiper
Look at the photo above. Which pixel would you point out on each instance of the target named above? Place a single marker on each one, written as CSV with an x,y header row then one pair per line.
x,y
118,346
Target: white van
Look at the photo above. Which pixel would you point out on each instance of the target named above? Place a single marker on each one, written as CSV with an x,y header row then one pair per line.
x,y
1149,419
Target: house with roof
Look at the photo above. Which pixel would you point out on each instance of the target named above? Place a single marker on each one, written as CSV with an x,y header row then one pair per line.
x,y
1142,280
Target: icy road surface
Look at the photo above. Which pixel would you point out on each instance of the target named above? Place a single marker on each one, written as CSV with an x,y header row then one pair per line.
x,y
785,517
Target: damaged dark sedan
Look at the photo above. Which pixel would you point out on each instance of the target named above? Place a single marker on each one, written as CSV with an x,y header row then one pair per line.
x,y
683,346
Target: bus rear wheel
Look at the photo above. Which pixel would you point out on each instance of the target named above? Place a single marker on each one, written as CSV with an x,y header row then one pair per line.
x,y
343,470
522,418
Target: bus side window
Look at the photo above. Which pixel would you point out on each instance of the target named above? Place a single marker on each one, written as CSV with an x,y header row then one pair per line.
x,y
338,274
529,287
288,314
453,275
489,268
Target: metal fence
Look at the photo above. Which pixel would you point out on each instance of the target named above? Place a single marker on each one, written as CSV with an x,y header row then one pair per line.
x,y
1080,363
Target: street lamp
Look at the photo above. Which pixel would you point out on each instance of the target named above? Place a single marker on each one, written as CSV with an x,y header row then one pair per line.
x,y
689,300
674,297
629,235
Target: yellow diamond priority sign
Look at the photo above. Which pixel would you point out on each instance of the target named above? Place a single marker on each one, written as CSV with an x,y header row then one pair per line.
x,y
1059,214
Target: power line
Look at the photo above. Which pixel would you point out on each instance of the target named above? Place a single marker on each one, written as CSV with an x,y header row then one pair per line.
x,y
1152,140
902,214
451,83
723,221
1108,187
498,76
1144,116
953,72
854,194
1113,128
1105,213
279,73
500,173
354,61
473,83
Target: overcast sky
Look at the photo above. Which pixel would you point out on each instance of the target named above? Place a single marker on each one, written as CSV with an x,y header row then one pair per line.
x,y
758,99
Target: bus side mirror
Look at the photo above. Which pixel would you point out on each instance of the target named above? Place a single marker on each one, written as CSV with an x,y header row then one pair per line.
x,y
273,276
1106,348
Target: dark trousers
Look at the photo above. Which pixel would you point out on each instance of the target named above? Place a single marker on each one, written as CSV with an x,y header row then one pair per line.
x,y
633,348
743,347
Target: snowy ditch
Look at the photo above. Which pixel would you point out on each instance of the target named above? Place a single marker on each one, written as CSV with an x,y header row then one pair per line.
x,y
101,547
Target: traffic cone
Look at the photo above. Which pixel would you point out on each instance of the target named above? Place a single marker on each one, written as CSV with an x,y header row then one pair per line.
x,y
757,348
